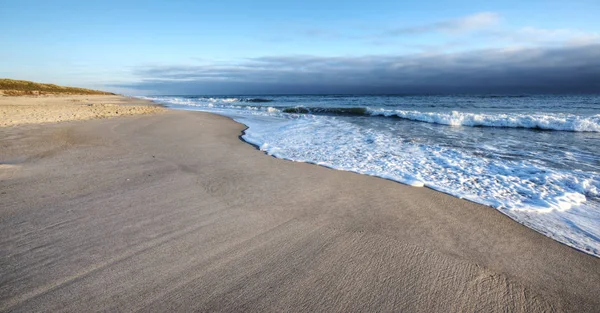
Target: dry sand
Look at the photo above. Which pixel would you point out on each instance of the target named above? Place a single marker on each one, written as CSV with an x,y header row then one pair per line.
x,y
47,109
172,212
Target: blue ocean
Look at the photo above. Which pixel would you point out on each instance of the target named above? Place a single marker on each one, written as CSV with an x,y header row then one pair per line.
x,y
535,158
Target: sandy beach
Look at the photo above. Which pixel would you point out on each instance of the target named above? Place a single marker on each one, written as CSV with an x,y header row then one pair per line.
x,y
173,212
52,108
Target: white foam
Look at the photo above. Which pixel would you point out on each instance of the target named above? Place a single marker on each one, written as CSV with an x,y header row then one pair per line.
x,y
547,121
527,192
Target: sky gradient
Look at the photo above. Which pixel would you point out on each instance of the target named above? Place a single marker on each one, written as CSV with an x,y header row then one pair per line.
x,y
276,47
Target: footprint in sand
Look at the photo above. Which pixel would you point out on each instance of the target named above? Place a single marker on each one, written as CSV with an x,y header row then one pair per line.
x,y
7,171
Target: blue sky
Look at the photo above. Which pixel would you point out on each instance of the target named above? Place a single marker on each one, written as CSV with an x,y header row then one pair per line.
x,y
154,46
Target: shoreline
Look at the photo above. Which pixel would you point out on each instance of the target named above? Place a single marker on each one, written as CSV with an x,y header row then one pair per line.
x,y
532,227
324,239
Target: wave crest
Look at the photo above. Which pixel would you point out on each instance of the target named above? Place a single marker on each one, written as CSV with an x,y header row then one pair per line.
x,y
558,121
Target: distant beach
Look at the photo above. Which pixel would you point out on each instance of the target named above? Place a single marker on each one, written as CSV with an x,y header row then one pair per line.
x,y
173,212
57,108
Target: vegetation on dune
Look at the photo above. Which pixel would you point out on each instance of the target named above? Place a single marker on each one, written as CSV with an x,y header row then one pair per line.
x,y
11,87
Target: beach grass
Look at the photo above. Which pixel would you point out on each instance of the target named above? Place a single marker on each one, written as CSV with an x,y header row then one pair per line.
x,y
11,87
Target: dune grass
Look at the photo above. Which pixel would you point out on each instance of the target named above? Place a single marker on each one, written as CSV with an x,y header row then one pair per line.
x,y
11,87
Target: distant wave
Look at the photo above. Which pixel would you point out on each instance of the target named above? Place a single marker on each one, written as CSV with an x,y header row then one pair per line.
x,y
325,110
561,122
205,99
257,100
549,121
500,96
230,100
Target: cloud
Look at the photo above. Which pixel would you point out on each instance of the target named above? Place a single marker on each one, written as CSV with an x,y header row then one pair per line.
x,y
534,35
569,69
483,29
465,24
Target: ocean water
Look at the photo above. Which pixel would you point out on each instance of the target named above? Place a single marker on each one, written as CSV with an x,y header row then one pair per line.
x,y
534,158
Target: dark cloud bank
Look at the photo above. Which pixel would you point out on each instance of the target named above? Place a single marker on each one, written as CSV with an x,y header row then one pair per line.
x,y
550,70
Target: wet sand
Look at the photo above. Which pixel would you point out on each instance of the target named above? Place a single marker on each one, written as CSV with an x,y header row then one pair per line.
x,y
173,212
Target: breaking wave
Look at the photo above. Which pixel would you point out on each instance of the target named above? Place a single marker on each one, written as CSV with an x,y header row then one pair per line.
x,y
539,121
548,121
228,100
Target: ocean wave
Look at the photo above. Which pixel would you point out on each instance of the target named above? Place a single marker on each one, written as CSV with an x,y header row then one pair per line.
x,y
231,100
325,110
500,96
219,100
200,100
549,121
256,100
539,121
